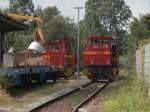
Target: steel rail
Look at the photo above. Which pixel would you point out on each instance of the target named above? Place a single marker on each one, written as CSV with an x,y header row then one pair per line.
x,y
59,97
89,98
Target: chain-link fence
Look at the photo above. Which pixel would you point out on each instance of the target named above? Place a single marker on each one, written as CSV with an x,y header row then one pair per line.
x,y
143,64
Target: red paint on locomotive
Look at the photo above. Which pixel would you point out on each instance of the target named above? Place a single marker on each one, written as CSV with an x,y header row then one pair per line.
x,y
101,58
99,51
56,54
59,53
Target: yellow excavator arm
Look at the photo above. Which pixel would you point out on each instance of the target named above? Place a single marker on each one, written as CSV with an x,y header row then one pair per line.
x,y
38,20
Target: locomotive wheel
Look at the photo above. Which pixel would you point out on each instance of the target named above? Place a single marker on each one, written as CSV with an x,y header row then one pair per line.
x,y
92,77
66,78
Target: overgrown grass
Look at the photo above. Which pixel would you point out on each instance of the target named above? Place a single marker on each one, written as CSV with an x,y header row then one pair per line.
x,y
130,96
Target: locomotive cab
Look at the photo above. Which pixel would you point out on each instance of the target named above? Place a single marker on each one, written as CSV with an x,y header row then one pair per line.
x,y
60,53
101,58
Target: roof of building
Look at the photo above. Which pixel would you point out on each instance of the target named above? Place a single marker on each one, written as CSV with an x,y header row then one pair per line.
x,y
8,24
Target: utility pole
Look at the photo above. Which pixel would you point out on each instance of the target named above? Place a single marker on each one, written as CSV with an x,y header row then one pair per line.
x,y
78,47
1,47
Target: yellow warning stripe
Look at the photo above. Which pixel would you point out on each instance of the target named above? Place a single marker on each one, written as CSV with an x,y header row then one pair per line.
x,y
69,71
95,52
107,52
86,73
68,56
90,52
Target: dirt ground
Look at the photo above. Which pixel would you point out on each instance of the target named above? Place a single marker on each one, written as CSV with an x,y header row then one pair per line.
x,y
18,97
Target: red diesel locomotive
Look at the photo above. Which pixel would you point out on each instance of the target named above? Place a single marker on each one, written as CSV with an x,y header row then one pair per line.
x,y
100,58
57,60
60,54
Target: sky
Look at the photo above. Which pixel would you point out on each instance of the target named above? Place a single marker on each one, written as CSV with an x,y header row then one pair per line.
x,y
138,7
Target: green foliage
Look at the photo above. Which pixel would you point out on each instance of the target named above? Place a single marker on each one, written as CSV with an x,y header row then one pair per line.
x,y
57,26
20,40
4,10
107,17
139,31
22,7
139,35
48,13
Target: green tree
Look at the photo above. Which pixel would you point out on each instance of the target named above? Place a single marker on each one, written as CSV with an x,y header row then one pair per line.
x,y
107,17
3,10
139,34
48,13
139,30
22,7
20,40
60,27
57,26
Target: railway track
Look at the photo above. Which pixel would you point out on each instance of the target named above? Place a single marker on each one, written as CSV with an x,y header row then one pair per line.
x,y
72,101
86,100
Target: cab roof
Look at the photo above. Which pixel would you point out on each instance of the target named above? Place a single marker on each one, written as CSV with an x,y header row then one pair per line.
x,y
8,24
101,38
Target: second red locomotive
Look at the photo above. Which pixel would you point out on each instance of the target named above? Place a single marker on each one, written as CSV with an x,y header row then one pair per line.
x,y
100,58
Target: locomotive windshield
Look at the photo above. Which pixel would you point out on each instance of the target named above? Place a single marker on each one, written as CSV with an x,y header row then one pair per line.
x,y
97,42
54,46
